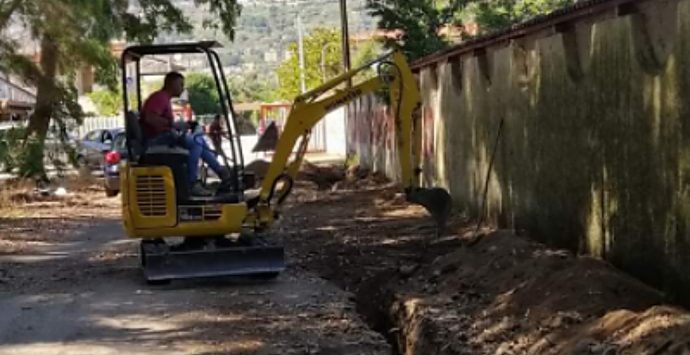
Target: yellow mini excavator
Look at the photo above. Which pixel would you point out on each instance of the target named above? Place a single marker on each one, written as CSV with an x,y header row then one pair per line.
x,y
231,229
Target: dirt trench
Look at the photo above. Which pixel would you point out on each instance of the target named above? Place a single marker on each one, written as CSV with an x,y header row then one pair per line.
x,y
504,294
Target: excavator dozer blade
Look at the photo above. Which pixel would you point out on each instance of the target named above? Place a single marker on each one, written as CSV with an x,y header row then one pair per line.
x,y
436,201
268,140
160,263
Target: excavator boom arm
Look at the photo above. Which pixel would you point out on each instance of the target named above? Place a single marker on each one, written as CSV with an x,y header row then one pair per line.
x,y
396,77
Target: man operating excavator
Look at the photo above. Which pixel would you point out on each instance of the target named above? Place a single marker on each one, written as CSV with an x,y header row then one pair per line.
x,y
157,127
229,234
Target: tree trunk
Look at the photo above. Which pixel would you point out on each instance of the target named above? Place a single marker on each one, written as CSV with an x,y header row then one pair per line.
x,y
39,122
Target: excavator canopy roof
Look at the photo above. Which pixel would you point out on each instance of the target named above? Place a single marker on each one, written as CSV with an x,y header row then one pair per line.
x,y
136,52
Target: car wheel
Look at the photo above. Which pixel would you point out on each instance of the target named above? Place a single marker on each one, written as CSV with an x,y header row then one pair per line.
x,y
111,193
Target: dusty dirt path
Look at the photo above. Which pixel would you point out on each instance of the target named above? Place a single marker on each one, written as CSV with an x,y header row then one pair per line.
x,y
83,294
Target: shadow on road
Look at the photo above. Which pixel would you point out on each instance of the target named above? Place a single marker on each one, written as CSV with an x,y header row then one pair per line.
x,y
78,290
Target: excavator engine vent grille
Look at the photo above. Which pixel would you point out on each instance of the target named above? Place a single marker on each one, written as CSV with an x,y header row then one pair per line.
x,y
151,195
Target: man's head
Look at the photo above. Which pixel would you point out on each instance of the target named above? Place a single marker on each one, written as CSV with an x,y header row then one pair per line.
x,y
174,84
216,118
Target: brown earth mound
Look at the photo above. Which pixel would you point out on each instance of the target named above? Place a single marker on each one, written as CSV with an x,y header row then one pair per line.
x,y
508,295
503,295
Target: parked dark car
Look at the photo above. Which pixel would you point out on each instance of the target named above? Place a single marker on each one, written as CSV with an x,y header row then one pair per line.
x,y
91,149
111,164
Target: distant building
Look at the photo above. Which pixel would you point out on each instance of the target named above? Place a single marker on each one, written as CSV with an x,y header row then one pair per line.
x,y
271,56
233,69
287,55
16,100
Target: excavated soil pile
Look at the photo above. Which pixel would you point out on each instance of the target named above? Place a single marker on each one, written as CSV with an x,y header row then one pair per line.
x,y
507,295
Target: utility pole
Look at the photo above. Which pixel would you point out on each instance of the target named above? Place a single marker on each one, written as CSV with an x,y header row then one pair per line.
x,y
345,35
323,60
300,49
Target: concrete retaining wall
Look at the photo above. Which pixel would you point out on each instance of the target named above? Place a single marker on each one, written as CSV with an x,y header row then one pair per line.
x,y
595,151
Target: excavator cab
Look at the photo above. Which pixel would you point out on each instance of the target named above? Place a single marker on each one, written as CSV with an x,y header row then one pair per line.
x,y
184,236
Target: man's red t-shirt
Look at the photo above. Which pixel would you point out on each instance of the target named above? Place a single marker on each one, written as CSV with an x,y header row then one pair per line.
x,y
159,104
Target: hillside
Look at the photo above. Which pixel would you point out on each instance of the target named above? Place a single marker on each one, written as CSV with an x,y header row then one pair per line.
x,y
267,27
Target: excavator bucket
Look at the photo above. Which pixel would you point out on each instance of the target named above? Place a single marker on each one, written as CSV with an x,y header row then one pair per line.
x,y
436,201
162,263
268,140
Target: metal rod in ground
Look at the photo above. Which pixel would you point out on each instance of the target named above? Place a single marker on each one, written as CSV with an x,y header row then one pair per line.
x,y
482,211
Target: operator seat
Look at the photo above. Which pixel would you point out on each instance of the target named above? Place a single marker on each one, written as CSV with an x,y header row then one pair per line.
x,y
174,157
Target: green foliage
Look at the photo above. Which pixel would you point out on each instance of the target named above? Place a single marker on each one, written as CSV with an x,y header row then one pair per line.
x,y
10,140
366,52
418,22
20,154
500,14
76,33
322,60
269,26
352,160
107,102
251,88
29,159
25,155
203,94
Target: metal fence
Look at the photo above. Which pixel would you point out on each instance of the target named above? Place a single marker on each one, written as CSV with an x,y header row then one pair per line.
x,y
93,123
